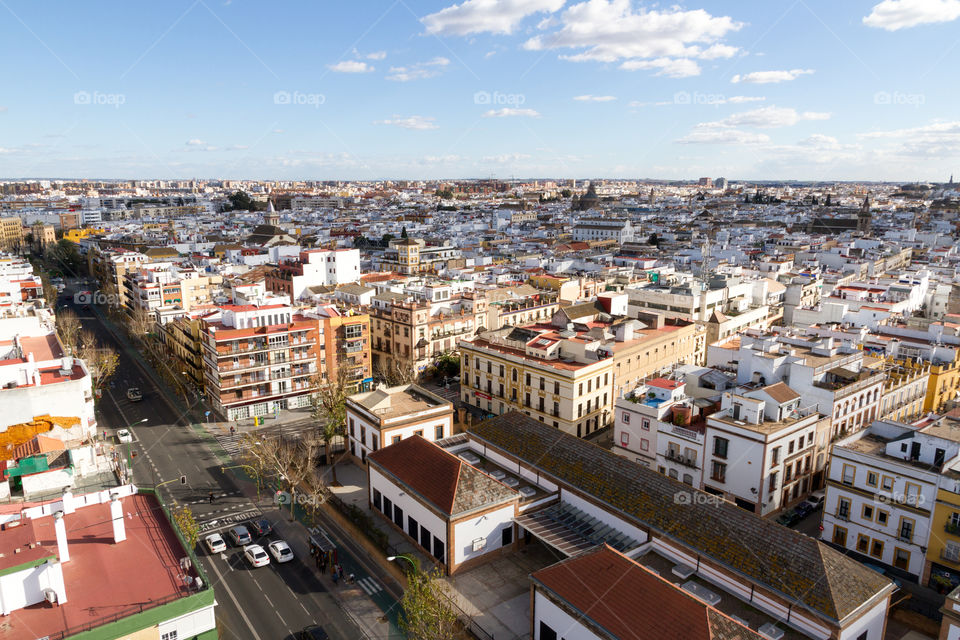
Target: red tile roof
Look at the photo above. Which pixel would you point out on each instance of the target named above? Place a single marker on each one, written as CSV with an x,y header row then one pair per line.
x,y
424,467
630,602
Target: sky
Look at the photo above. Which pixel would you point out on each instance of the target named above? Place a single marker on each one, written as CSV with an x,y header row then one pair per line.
x,y
401,89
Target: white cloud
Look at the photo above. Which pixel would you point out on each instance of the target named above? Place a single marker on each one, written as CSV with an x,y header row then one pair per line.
x,y
479,16
505,158
770,77
3,109
419,70
742,99
592,98
769,118
670,67
508,112
935,140
902,14
351,66
669,40
410,122
195,142
376,55
708,133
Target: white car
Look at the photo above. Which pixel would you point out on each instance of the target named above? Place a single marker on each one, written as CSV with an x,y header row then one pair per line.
x,y
215,543
124,435
256,556
280,551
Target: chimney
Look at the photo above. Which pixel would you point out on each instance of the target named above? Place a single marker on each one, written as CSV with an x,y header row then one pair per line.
x,y
61,530
67,500
116,514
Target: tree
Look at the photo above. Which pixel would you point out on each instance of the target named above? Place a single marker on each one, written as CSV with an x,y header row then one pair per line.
x,y
654,239
241,201
101,361
187,524
328,407
427,614
403,233
140,322
68,328
565,193
385,240
395,372
448,364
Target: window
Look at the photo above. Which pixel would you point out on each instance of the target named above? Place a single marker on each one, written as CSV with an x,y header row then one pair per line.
x,y
387,507
506,536
438,432
547,633
425,537
843,509
872,478
528,379
901,557
863,543
438,549
394,439
501,371
886,483
413,528
882,517
867,512
644,444
556,388
514,375
839,536
645,424
418,432
169,635
773,481
720,446
376,500
876,550
906,529
718,471
398,516
626,417
849,473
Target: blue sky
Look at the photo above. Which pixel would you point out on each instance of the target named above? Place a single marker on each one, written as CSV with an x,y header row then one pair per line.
x,y
852,90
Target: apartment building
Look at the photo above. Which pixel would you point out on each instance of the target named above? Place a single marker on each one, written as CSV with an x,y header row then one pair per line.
x,y
259,359
11,234
882,490
182,336
384,416
594,229
904,390
834,378
414,255
641,415
567,372
346,344
517,306
109,267
942,567
314,267
412,332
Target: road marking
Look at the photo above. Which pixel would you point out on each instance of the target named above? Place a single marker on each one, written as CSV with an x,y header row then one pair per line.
x,y
369,585
235,603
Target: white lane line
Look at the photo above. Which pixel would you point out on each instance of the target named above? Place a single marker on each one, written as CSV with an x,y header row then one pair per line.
x,y
235,603
305,610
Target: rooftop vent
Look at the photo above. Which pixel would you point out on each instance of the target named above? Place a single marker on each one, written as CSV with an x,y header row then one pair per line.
x,y
499,474
469,458
510,481
527,492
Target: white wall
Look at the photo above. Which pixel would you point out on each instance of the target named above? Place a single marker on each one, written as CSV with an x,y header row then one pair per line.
x,y
564,624
24,588
190,625
436,525
489,527
872,622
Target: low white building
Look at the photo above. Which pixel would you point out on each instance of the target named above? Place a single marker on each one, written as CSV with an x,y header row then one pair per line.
x,y
447,507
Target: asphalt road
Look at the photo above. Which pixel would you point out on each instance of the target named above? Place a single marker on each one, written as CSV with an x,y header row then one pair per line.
x,y
259,604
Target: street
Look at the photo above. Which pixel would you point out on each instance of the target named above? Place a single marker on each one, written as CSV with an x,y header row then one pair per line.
x,y
263,603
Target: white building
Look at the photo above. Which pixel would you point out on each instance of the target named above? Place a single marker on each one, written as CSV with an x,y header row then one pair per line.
x,y
882,491
594,229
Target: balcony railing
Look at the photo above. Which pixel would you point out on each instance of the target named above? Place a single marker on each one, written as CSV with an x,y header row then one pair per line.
x,y
679,458
951,528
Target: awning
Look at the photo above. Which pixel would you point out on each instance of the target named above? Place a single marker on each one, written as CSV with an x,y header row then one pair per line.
x,y
571,531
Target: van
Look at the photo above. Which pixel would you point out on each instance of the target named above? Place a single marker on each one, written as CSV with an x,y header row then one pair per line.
x,y
815,499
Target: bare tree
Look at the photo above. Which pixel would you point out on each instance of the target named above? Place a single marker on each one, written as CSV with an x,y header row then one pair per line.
x,y
140,322
328,406
68,328
397,372
101,361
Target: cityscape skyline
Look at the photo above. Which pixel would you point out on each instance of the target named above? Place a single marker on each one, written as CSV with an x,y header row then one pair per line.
x,y
809,92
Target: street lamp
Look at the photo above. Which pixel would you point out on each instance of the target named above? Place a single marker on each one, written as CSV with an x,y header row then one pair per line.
x,y
413,561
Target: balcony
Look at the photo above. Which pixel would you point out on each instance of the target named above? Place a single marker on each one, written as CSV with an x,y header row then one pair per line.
x,y
953,529
679,458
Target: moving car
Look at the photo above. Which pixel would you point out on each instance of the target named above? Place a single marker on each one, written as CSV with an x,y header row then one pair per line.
x,y
239,536
134,394
312,632
124,435
215,543
256,556
280,551
260,527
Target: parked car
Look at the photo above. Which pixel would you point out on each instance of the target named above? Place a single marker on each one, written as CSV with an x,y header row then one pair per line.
x,y
312,632
260,527
816,499
215,543
788,518
256,556
804,509
280,551
124,435
134,394
239,536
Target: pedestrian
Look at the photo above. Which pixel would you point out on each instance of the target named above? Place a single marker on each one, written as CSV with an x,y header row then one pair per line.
x,y
340,571
211,497
232,429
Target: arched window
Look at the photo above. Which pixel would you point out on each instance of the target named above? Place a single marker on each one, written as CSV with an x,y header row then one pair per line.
x,y
514,375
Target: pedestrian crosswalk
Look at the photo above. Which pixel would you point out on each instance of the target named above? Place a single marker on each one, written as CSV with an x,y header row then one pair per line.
x,y
369,585
229,443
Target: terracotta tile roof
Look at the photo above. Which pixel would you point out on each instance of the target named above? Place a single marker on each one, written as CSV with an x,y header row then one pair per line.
x,y
441,478
629,602
803,570
781,393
